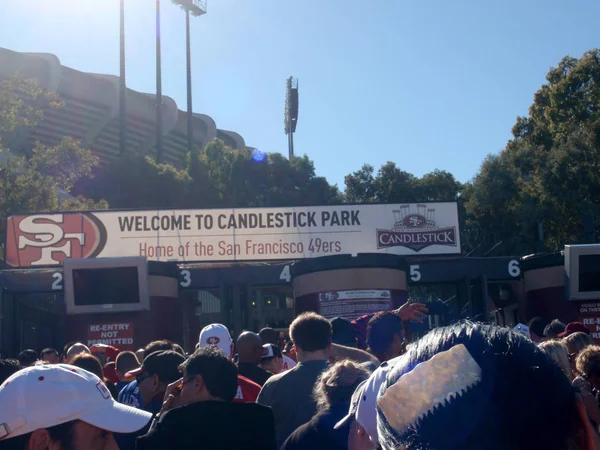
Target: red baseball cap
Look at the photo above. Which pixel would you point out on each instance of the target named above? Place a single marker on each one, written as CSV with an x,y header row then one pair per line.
x,y
574,327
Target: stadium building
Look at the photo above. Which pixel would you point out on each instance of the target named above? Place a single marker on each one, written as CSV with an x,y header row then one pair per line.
x,y
91,112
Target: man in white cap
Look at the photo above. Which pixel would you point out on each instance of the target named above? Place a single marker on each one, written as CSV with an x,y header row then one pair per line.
x,y
62,407
363,410
217,335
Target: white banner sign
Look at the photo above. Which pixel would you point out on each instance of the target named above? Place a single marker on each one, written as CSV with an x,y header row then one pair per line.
x,y
252,234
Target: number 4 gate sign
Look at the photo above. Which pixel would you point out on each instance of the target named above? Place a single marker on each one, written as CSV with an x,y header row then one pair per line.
x,y
256,234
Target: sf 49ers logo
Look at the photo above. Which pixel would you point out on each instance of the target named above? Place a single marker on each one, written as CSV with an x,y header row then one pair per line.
x,y
213,340
49,239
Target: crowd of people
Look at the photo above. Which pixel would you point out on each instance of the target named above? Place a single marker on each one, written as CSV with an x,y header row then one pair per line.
x,y
336,385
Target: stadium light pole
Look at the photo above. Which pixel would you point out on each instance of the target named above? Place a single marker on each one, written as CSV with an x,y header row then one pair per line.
x,y
122,86
159,100
195,8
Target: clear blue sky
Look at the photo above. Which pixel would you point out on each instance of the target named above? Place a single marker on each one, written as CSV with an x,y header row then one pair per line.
x,y
431,84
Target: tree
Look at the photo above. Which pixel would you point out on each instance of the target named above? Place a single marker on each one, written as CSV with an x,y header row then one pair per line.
x,y
533,195
43,178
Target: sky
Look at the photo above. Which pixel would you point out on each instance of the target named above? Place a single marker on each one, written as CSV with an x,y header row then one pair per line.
x,y
427,84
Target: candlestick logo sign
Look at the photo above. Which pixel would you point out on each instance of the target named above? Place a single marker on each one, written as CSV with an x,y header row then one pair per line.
x,y
416,230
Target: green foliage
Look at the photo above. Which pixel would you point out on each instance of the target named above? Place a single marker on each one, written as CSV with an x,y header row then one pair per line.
x,y
214,177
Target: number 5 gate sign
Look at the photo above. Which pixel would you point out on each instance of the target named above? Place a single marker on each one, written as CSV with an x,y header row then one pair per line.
x,y
255,234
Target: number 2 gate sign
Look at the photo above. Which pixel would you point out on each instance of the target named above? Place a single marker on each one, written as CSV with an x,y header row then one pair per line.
x,y
233,234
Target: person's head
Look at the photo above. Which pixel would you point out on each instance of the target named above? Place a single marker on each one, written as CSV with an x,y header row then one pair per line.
x,y
28,358
63,355
343,332
89,363
179,349
208,374
8,367
361,420
158,370
476,386
272,358
269,336
50,355
217,335
126,362
75,350
249,348
575,343
61,407
559,353
553,329
336,385
536,328
157,346
139,353
311,335
385,335
588,364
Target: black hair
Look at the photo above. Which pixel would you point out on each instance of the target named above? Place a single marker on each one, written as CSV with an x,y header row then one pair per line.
x,y
49,350
8,367
523,400
381,330
66,348
311,332
554,328
62,434
269,336
88,362
217,370
156,346
27,357
537,326
126,361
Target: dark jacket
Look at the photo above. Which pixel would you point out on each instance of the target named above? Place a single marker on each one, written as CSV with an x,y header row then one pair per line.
x,y
212,425
318,434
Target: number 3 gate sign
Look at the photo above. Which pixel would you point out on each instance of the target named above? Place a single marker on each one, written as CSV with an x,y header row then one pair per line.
x,y
255,234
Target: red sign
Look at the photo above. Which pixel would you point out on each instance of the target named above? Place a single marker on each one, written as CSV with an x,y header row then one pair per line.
x,y
593,324
118,335
49,239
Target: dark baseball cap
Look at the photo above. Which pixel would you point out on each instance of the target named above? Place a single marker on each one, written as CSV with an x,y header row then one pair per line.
x,y
574,327
343,332
163,363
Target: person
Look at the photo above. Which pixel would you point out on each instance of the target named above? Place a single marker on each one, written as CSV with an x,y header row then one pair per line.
x,y
476,386
156,372
362,414
50,355
28,358
385,336
199,411
332,392
271,336
92,364
289,394
62,407
271,359
249,348
537,325
139,353
553,329
559,353
343,332
575,343
217,335
130,393
523,329
8,367
75,350
125,362
588,380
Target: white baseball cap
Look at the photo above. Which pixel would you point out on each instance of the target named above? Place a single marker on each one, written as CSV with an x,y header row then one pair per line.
x,y
216,335
363,407
523,329
48,395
